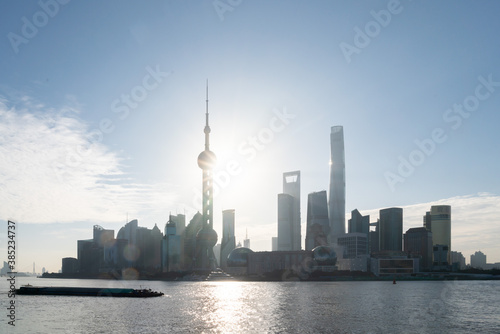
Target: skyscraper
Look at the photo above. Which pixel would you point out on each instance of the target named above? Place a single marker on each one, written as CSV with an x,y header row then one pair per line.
x,y
418,244
391,229
206,238
478,260
373,238
336,204
289,213
441,227
458,259
180,223
246,241
353,245
318,225
428,221
171,247
228,242
358,223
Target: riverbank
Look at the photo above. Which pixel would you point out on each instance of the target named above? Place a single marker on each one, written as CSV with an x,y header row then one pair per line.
x,y
289,276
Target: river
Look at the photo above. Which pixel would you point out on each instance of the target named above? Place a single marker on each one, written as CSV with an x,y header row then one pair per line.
x,y
261,307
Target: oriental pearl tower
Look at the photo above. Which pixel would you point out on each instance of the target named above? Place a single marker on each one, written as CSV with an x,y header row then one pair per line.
x,y
206,238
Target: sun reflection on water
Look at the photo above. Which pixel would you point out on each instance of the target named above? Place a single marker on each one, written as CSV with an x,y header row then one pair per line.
x,y
227,307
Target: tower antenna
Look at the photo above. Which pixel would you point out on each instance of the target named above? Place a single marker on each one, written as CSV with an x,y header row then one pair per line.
x,y
207,127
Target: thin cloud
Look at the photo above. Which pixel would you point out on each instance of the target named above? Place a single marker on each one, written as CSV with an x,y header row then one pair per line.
x,y
475,222
52,170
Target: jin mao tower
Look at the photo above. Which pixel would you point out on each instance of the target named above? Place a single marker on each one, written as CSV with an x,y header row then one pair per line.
x,y
336,203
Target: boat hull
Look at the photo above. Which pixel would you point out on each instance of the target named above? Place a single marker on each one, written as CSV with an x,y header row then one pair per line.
x,y
91,292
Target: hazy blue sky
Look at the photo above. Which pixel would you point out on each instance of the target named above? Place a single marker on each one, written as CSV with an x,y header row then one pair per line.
x,y
102,113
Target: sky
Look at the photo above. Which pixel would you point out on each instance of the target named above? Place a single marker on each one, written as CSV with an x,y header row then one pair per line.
x,y
102,113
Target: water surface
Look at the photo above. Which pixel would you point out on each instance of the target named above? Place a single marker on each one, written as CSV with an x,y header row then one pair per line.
x,y
262,307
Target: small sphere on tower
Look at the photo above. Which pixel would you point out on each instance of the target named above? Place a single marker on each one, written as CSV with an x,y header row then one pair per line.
x,y
207,237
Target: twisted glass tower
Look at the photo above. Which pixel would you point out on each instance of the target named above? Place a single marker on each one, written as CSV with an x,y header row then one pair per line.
x,y
336,204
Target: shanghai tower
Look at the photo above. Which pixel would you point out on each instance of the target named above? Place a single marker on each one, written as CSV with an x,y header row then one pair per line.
x,y
336,204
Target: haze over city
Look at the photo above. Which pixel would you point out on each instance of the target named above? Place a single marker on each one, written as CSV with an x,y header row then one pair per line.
x,y
102,114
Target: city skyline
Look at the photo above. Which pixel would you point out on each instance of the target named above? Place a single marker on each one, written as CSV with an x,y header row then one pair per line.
x,y
100,122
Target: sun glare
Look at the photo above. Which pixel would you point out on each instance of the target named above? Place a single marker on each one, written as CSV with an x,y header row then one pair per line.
x,y
228,306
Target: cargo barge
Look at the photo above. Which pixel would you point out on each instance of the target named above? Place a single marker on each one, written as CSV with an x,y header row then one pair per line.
x,y
92,292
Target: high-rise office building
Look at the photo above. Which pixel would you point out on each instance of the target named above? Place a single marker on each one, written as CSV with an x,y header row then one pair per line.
x,y
189,241
171,256
285,217
440,256
289,213
228,242
149,248
373,238
180,223
129,232
391,229
353,245
428,221
318,225
458,259
336,204
358,223
418,244
478,260
246,241
441,227
69,266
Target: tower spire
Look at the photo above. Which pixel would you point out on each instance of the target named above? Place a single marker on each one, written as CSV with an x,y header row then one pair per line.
x,y
207,127
206,112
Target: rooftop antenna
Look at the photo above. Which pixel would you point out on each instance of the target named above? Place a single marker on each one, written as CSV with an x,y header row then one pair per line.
x,y
207,127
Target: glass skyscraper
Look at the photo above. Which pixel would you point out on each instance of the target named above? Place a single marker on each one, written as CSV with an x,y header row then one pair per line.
x,y
318,225
358,223
289,213
441,227
336,205
228,242
391,229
